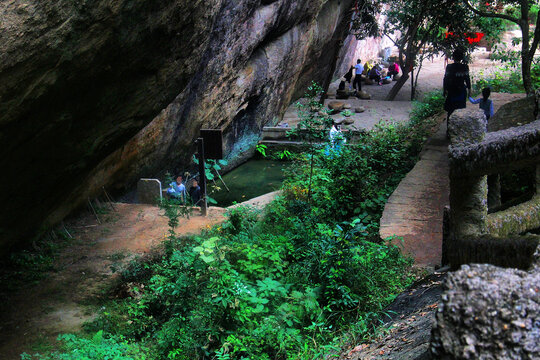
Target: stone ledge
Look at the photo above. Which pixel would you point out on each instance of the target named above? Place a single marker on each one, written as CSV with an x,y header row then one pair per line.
x,y
499,151
515,251
515,220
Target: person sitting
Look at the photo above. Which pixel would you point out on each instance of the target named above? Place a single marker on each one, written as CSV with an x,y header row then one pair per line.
x,y
336,136
195,192
393,70
375,74
367,68
341,92
177,190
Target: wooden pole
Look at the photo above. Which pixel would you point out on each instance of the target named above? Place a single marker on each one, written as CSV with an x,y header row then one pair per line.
x,y
220,178
94,211
202,175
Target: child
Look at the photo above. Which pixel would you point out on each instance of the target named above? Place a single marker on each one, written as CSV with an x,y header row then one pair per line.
x,y
485,103
375,74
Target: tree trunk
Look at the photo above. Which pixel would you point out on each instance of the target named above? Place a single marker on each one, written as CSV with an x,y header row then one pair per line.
x,y
526,73
412,84
526,57
397,86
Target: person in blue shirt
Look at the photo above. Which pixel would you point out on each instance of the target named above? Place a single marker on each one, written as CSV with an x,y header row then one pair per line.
x,y
177,190
359,69
485,103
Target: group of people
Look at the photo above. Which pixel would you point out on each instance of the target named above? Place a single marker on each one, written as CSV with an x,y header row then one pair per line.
x,y
457,87
177,191
372,72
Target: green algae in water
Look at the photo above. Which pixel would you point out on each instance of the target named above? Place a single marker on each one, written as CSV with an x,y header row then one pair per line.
x,y
252,179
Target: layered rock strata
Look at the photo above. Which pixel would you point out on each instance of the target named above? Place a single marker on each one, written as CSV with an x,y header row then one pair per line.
x,y
97,94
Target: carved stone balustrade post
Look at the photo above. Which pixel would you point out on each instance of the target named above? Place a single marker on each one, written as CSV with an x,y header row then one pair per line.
x,y
468,193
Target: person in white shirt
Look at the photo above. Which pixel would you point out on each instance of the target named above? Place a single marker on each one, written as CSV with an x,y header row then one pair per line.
x,y
336,136
359,69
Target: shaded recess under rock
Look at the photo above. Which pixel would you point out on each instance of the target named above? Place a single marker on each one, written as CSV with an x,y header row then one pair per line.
x,y
102,93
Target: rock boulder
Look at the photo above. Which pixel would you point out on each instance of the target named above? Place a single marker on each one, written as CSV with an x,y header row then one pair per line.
x,y
364,95
488,312
336,105
99,94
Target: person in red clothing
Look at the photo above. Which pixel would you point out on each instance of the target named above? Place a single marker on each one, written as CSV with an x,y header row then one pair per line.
x,y
393,70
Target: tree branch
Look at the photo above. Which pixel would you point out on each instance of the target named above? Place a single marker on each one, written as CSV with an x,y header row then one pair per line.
x,y
392,40
488,14
536,38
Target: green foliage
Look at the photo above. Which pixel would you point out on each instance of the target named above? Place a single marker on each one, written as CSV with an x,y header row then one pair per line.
x,y
284,155
492,28
314,118
261,149
284,283
98,347
517,183
211,166
260,286
32,263
173,210
431,105
365,21
505,79
313,126
521,13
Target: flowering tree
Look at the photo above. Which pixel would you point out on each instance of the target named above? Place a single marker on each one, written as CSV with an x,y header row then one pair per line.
x,y
518,12
417,28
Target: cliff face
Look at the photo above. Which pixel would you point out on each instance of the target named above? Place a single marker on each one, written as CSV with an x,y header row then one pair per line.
x,y
100,93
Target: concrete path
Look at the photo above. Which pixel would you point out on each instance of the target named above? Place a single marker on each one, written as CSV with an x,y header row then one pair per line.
x,y
258,202
415,210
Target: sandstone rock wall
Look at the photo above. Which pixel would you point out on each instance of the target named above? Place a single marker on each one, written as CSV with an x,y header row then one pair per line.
x,y
100,93
368,49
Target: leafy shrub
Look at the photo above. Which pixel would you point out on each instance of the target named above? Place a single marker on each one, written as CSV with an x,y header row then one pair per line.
x,y
98,347
507,78
284,283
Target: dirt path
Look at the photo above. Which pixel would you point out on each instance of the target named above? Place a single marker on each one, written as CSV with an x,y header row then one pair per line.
x,y
67,297
376,109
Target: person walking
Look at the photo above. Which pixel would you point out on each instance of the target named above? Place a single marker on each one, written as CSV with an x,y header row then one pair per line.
x,y
456,83
485,103
359,69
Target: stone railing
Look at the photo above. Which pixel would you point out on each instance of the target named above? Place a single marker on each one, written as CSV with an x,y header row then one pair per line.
x,y
476,160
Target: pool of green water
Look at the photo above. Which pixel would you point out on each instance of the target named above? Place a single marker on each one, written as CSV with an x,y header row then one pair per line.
x,y
252,179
